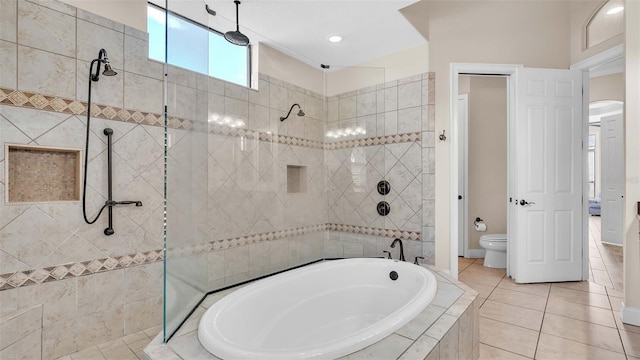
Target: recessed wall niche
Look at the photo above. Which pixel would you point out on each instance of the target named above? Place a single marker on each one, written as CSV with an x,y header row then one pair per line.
x,y
296,179
36,174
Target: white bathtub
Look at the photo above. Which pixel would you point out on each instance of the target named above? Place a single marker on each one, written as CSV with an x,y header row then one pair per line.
x,y
321,311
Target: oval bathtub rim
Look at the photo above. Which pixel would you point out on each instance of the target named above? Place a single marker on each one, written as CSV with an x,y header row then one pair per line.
x,y
339,347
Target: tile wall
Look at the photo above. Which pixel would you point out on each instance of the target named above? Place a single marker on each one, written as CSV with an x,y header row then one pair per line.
x,y
90,287
229,210
396,143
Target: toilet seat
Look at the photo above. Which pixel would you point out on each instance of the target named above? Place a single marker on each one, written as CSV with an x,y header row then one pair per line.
x,y
494,237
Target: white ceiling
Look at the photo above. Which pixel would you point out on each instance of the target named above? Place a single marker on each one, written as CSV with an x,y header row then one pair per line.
x,y
370,29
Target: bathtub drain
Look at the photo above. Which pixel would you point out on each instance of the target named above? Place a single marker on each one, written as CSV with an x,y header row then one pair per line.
x,y
393,275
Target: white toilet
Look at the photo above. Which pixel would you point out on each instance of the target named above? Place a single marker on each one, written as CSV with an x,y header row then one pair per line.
x,y
495,246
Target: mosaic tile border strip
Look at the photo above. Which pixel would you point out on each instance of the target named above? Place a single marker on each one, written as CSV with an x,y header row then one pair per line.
x,y
372,141
264,136
390,233
74,107
60,272
77,269
243,240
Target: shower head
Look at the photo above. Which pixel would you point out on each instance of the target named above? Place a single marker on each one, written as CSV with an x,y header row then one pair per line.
x,y
236,37
300,113
102,59
108,71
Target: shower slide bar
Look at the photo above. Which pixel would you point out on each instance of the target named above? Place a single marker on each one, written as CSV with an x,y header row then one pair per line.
x,y
110,203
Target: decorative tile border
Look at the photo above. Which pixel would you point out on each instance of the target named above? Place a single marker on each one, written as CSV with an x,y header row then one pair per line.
x,y
59,272
380,140
400,234
67,106
64,271
264,136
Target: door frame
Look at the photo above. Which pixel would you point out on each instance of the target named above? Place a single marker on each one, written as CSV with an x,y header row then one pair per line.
x,y
586,65
463,146
457,69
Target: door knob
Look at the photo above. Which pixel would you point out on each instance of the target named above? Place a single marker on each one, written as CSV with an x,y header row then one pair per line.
x,y
524,202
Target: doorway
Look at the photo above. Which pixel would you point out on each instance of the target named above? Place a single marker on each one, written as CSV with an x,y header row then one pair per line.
x,y
546,212
483,144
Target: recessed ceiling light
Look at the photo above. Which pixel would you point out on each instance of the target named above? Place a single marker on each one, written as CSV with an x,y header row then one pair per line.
x,y
335,38
615,10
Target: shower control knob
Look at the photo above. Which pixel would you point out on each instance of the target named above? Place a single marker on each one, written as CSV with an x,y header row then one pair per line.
x,y
384,187
383,208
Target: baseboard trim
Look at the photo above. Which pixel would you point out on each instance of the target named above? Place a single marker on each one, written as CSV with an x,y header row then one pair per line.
x,y
630,315
475,253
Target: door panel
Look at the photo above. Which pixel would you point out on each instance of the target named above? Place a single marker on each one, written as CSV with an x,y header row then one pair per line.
x,y
612,178
548,151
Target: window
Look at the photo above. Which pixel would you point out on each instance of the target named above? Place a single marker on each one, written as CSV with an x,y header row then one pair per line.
x,y
196,47
606,23
591,158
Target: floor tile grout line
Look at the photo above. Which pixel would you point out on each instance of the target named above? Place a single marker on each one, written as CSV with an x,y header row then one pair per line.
x,y
511,352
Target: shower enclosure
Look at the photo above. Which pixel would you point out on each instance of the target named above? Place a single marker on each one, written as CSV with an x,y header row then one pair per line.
x,y
248,195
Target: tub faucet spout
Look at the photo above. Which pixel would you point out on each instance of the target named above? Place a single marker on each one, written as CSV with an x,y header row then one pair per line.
x,y
393,245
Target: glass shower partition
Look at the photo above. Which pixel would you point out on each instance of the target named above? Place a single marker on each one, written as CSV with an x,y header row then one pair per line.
x,y
186,163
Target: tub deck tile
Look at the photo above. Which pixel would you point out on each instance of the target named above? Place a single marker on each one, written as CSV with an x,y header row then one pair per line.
x,y
436,329
422,322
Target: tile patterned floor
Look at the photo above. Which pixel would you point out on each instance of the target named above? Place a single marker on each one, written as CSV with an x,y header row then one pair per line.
x,y
576,320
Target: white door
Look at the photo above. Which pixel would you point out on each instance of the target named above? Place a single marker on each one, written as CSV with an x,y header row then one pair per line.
x,y
463,128
548,176
611,155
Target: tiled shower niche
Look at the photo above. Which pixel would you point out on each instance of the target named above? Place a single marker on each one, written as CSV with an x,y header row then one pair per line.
x,y
37,174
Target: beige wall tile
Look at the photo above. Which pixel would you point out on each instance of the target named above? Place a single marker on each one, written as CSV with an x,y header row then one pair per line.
x,y
449,343
30,244
8,64
46,29
143,282
8,20
136,59
59,339
466,335
100,326
134,85
46,73
18,324
93,37
8,300
100,292
143,314
99,20
27,348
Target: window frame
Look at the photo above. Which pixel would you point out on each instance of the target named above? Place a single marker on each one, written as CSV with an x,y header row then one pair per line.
x,y
211,30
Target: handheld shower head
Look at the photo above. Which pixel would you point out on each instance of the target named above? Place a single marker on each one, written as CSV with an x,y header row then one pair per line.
x,y
300,112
